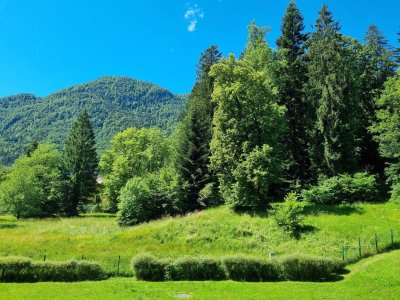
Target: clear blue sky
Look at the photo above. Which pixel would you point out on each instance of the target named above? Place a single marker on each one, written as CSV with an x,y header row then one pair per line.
x,y
46,45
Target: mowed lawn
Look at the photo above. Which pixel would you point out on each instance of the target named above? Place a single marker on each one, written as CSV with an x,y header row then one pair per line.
x,y
215,231
377,277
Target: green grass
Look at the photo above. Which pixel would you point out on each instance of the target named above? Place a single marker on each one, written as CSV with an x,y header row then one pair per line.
x,y
213,232
376,277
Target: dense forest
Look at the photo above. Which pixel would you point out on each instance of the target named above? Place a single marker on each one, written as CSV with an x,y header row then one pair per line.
x,y
114,103
316,120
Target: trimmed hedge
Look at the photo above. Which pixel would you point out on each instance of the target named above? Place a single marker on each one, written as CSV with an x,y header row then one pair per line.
x,y
148,267
298,267
239,268
20,269
361,187
195,269
248,268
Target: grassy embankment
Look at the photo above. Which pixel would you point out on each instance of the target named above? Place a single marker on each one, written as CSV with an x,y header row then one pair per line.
x,y
213,232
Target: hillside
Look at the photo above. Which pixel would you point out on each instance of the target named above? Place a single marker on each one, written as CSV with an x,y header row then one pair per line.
x,y
114,104
215,231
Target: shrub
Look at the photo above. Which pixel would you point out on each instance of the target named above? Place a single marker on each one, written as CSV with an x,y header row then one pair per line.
x,y
309,268
195,269
148,267
17,269
146,198
358,188
395,194
289,215
248,268
14,269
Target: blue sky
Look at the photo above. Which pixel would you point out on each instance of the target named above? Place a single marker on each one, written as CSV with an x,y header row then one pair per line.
x,y
46,45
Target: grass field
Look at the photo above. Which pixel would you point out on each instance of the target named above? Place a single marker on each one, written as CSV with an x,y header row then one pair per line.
x,y
377,277
215,232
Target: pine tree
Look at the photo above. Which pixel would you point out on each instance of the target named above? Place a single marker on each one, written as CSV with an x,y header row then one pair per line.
x,y
194,136
377,66
292,75
332,91
80,163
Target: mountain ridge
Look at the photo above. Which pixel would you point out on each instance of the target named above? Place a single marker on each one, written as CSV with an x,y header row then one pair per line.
x,y
114,103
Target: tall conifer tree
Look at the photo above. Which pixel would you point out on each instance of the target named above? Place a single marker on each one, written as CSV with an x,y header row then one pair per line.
x,y
193,138
291,79
333,92
377,65
80,163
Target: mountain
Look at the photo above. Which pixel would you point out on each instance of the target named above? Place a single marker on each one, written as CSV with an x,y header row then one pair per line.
x,y
114,104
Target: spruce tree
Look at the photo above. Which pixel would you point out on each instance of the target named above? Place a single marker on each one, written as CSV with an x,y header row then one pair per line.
x,y
332,91
193,139
292,75
377,66
80,163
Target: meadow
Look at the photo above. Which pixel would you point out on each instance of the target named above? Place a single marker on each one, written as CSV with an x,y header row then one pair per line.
x,y
327,231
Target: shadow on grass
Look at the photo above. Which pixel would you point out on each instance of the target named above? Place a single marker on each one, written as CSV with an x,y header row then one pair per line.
x,y
341,210
7,226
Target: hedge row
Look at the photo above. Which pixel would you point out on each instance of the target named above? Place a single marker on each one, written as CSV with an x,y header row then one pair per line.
x,y
239,268
21,269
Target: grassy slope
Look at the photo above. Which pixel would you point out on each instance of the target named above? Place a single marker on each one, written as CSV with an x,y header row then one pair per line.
x,y
377,277
215,231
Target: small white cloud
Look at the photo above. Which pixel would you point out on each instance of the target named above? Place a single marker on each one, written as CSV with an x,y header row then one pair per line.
x,y
192,15
192,25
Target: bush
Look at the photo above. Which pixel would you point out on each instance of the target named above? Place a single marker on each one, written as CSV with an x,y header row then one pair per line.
x,y
309,268
289,215
239,268
17,269
146,198
195,269
395,194
148,267
248,268
361,187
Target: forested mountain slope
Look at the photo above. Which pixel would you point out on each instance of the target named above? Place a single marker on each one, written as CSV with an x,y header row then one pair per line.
x,y
114,103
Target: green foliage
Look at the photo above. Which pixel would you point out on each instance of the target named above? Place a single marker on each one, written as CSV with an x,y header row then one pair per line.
x,y
291,76
361,187
250,268
80,164
213,232
299,267
377,65
195,269
332,90
193,138
253,177
114,103
372,278
238,268
133,153
290,215
248,124
387,129
24,191
4,171
147,267
147,198
20,269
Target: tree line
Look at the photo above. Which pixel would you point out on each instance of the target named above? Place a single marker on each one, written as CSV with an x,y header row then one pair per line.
x,y
321,108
